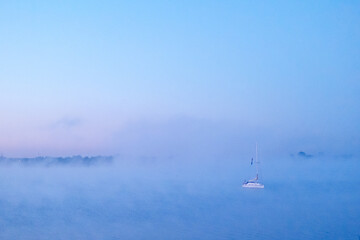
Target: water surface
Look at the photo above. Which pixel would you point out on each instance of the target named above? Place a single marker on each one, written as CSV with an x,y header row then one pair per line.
x,y
302,199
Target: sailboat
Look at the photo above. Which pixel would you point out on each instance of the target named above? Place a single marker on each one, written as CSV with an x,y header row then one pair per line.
x,y
254,183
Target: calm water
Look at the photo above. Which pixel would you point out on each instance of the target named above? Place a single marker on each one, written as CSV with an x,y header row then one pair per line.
x,y
302,199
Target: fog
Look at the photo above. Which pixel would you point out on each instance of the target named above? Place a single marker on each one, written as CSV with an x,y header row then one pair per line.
x,y
142,198
203,140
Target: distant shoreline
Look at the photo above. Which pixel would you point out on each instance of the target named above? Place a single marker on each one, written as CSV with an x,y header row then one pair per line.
x,y
52,161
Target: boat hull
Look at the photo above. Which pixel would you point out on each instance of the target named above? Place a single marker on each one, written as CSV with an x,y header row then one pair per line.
x,y
253,185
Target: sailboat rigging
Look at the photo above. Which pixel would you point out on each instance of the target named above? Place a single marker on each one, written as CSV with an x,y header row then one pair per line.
x,y
254,183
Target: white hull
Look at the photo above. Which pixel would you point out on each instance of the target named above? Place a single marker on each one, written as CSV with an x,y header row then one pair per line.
x,y
253,185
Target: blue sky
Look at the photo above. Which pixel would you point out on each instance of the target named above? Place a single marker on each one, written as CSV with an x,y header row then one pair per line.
x,y
165,77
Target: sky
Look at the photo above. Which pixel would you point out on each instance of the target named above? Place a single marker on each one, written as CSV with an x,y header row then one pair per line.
x,y
176,78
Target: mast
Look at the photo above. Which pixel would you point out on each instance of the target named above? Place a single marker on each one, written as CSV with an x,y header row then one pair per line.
x,y
256,163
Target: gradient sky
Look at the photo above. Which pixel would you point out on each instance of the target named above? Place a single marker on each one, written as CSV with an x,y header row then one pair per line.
x,y
164,77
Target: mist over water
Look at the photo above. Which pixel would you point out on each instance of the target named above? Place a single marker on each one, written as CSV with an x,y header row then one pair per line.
x,y
176,94
152,199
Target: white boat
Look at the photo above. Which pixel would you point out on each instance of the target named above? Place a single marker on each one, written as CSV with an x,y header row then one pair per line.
x,y
254,183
